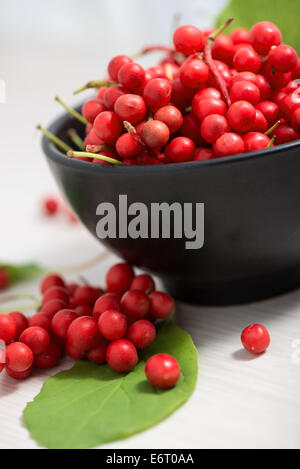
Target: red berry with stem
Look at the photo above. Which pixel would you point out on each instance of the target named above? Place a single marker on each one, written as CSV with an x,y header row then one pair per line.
x,y
296,120
155,134
141,333
228,144
246,60
157,93
180,150
162,371
283,58
36,338
91,139
245,91
194,73
255,338
56,293
112,324
263,36
209,106
108,127
190,129
144,283
188,40
127,147
161,305
240,36
284,134
8,328
83,333
40,320
116,64
260,123
241,116
73,352
53,306
104,303
121,356
111,95
50,206
181,96
19,375
98,354
171,116
256,141
91,109
119,278
49,358
21,323
213,126
51,280
203,154
131,108
86,295
61,322
270,110
19,357
132,77
135,304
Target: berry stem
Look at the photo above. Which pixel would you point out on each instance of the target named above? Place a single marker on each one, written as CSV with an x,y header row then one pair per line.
x,y
80,154
152,48
75,138
96,148
272,141
132,131
71,111
95,84
271,129
57,141
222,28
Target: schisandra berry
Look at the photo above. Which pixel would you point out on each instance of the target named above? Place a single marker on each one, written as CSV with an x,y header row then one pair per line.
x,y
296,120
190,129
181,96
83,310
131,108
86,295
194,73
51,280
73,352
40,320
255,338
49,358
19,375
264,87
283,58
98,354
111,95
8,328
213,126
62,321
56,293
121,356
203,154
119,278
19,357
256,141
143,283
285,133
240,36
21,323
157,93
135,304
260,123
53,306
112,324
83,333
228,144
208,106
171,116
36,338
246,60
288,106
263,36
223,49
91,109
161,305
131,76
127,147
244,76
179,150
141,333
241,116
155,134
162,371
115,64
270,110
245,91
104,303
108,126
188,40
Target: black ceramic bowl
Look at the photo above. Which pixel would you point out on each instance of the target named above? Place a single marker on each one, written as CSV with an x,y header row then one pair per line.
x,y
252,218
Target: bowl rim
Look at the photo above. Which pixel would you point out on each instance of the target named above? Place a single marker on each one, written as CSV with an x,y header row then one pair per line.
x,y
55,154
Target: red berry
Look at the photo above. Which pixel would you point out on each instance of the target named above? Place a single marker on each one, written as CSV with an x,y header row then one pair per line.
x,y
143,283
8,328
190,129
56,293
283,58
61,322
40,320
171,116
135,304
179,150
141,333
181,96
289,104
256,141
161,305
194,73
276,79
244,76
157,93
121,356
240,36
228,144
83,333
111,95
108,126
98,354
263,36
49,358
50,206
104,303
213,126
19,357
255,338
296,71
73,352
245,91
119,278
155,134
84,310
36,338
19,375
188,39
71,287
270,110
21,323
91,109
131,108
116,63
86,295
202,154
264,87
223,49
260,123
127,147
284,134
162,371
112,324
296,120
131,76
208,106
91,139
53,306
51,280
246,60
241,116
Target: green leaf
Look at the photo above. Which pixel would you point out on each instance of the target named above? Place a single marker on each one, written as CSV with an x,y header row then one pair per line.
x,y
90,405
285,14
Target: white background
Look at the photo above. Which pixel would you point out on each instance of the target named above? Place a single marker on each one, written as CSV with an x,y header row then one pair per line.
x,y
52,47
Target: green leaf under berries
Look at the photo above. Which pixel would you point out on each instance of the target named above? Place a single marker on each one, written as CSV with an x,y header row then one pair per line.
x,y
90,405
22,272
284,14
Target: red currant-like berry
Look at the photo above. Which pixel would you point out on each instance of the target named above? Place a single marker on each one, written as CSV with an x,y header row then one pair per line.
x,y
180,150
91,109
190,129
264,87
83,310
104,303
119,278
121,355
18,375
194,73
270,110
162,371
112,324
283,58
223,49
209,106
73,352
260,123
131,76
171,116
19,357
203,154
213,126
131,108
263,36
135,304
228,144
49,358
206,93
157,93
98,354
181,96
83,333
255,338
246,60
241,116
53,306
256,141
244,76
245,91
61,322
111,95
127,147
188,40
296,120
56,293
21,323
8,328
288,105
40,320
161,305
86,295
115,64
51,280
240,36
36,338
155,134
141,333
108,126
143,283
284,134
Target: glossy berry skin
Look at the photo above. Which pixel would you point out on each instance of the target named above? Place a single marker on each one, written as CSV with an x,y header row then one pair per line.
x,y
256,141
213,126
131,108
296,120
194,73
263,36
127,147
284,134
228,144
4,279
206,93
121,356
155,134
56,293
108,127
246,60
180,150
283,58
84,310
240,36
51,280
19,375
243,76
98,354
144,283
181,96
115,64
119,278
241,116
190,129
161,305
49,358
61,322
141,333
53,306
8,328
21,323
162,371
36,338
270,110
131,76
157,93
73,352
203,154
135,304
112,324
208,106
223,49
289,104
264,87
91,109
255,338
104,303
40,320
19,357
260,123
245,91
188,39
171,116
50,206
86,295
111,95
83,333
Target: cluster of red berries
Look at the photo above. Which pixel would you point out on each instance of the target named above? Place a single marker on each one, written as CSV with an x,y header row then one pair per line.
x,y
86,323
211,96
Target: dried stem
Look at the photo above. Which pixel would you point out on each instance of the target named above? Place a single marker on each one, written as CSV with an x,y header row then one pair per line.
x,y
271,129
95,84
